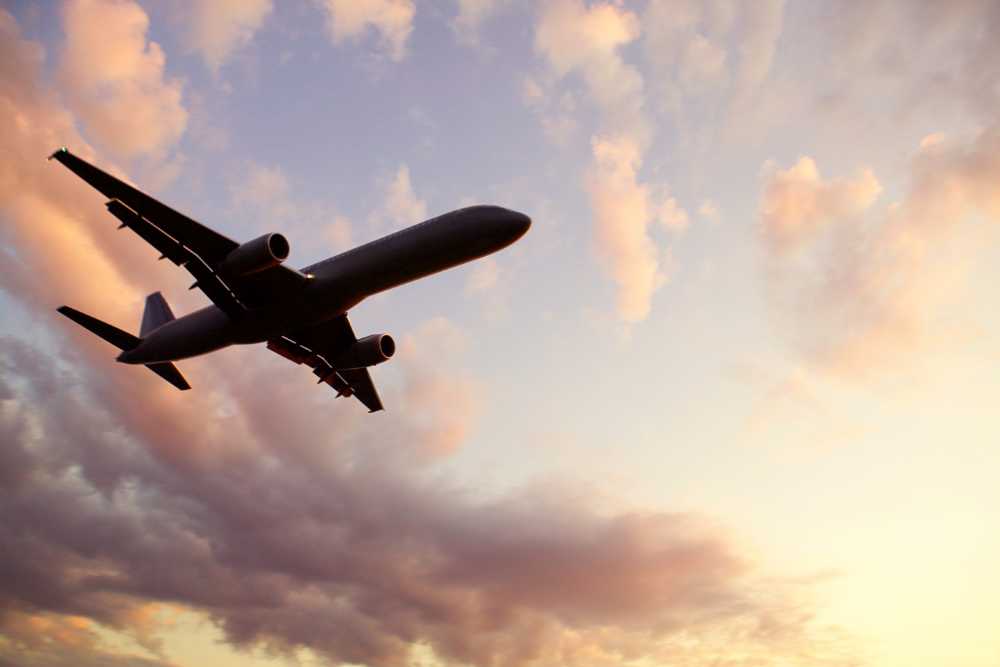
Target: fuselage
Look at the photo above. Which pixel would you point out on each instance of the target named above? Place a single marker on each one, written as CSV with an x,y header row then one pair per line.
x,y
339,283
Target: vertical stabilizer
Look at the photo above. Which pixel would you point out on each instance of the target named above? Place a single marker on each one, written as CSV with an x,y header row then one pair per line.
x,y
157,313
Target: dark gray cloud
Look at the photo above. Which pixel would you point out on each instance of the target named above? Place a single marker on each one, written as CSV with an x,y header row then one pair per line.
x,y
356,557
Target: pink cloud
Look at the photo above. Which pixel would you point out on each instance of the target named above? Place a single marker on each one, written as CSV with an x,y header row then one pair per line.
x,y
116,78
862,289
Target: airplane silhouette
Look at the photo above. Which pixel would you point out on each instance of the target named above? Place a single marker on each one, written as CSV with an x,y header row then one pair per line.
x,y
300,314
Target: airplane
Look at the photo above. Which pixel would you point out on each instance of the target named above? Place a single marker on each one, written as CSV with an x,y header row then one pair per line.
x,y
256,298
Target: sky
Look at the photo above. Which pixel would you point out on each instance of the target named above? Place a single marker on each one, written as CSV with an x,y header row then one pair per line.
x,y
731,401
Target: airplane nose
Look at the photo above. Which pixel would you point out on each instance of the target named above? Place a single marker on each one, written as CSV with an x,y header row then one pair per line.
x,y
519,223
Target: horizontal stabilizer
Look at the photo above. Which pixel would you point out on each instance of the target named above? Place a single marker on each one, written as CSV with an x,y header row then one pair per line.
x,y
170,373
120,339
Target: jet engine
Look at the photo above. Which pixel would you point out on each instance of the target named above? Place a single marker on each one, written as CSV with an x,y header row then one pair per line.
x,y
365,352
255,256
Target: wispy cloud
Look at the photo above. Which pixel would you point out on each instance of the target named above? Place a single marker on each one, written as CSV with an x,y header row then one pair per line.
x,y
217,29
400,205
582,41
862,287
392,20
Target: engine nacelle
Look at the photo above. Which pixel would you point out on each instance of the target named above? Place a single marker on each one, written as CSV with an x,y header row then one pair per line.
x,y
367,351
255,256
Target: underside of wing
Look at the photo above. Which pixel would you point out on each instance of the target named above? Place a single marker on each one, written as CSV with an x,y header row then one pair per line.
x,y
186,243
210,245
318,347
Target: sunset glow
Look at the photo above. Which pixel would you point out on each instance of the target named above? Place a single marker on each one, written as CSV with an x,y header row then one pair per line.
x,y
732,401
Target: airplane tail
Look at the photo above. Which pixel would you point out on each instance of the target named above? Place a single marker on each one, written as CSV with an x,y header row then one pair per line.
x,y
157,312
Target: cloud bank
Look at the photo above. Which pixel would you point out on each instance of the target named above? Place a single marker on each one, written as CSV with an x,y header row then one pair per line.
x,y
288,522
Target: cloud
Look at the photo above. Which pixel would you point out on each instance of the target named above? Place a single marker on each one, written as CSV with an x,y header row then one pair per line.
x,y
291,522
264,197
671,216
471,16
218,28
956,68
401,205
329,545
621,217
50,640
338,233
52,218
797,203
587,41
721,49
115,78
709,211
575,39
263,188
557,114
484,276
861,289
350,20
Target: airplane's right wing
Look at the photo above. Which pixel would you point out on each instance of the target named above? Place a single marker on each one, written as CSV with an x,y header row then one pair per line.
x,y
316,346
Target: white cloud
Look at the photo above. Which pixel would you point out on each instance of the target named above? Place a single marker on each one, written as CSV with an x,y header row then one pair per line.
x,y
671,216
471,15
349,20
401,206
116,80
265,189
483,277
218,28
709,211
264,197
723,48
338,234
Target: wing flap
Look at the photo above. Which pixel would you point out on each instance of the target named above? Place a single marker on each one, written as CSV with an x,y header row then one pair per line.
x,y
316,346
205,278
186,243
211,245
361,383
168,246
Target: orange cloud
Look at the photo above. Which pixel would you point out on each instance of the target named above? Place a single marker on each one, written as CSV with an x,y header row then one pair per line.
x,y
621,219
586,41
115,78
797,203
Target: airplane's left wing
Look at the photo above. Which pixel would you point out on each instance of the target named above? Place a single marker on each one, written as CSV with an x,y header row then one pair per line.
x,y
316,346
210,245
183,241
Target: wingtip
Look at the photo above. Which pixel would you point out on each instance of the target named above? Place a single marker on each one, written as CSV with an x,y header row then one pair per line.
x,y
61,149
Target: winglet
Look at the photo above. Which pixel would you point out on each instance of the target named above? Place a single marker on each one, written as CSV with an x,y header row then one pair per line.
x,y
61,149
